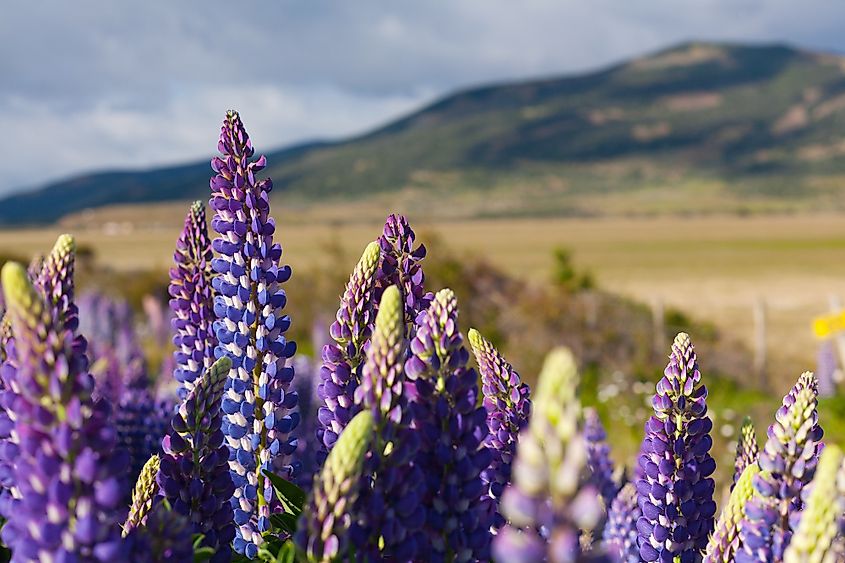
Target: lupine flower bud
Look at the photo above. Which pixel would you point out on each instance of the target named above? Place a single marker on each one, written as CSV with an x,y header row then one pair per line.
x,y
725,541
259,403
788,462
824,506
676,492
746,449
324,526
192,301
508,406
343,359
452,426
194,474
620,532
144,495
165,538
68,475
390,514
549,500
401,266
598,456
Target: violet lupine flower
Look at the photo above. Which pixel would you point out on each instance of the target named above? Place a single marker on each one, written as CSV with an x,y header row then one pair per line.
x,y
508,406
165,538
598,456
676,494
550,499
401,266
69,476
140,421
725,541
323,533
788,462
746,449
192,302
389,513
815,538
144,495
453,428
827,364
340,374
259,403
620,532
194,474
307,446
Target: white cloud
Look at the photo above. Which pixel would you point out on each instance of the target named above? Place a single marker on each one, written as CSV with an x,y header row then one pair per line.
x,y
90,84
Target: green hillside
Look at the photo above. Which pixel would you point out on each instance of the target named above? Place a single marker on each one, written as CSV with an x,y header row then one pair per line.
x,y
698,128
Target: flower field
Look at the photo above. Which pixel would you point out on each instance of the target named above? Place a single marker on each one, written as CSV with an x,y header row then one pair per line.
x,y
409,437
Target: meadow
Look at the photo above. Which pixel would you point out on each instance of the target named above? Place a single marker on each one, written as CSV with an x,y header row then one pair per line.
x,y
712,267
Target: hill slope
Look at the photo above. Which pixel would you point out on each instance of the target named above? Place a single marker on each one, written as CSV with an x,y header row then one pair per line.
x,y
701,127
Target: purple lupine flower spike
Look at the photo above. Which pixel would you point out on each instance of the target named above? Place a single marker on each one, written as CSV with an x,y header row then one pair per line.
x,y
620,531
343,358
69,476
194,474
259,403
508,406
788,462
192,302
550,500
307,446
746,449
598,456
390,514
166,537
676,493
401,266
453,454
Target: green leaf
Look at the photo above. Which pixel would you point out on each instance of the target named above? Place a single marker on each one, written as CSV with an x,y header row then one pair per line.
x,y
287,554
203,554
292,497
285,522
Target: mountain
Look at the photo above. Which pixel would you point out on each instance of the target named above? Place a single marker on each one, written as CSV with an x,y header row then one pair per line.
x,y
696,128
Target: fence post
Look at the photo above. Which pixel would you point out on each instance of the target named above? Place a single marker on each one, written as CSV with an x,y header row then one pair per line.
x,y
760,342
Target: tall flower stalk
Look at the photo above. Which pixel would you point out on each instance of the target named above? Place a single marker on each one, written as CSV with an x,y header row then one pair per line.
x,y
725,541
67,471
144,495
390,514
194,474
452,425
598,455
325,525
620,532
676,490
343,359
746,449
508,406
788,462
192,301
550,500
259,402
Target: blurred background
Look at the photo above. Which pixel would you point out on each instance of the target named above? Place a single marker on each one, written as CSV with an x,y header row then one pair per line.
x,y
597,174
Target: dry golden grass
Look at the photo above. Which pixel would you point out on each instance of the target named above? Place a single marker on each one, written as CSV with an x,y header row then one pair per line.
x,y
712,267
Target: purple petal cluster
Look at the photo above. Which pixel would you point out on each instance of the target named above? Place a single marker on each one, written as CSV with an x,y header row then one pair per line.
x,y
68,474
453,428
140,421
389,512
166,537
598,456
401,266
676,491
344,358
508,406
550,501
259,403
620,531
192,301
194,474
307,444
788,462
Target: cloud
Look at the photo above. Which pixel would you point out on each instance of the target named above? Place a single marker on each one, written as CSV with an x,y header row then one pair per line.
x,y
90,84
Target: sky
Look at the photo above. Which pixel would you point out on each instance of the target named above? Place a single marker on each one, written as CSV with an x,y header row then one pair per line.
x,y
91,85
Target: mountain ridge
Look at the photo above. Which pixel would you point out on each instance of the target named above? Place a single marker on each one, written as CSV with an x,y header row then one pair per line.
x,y
757,127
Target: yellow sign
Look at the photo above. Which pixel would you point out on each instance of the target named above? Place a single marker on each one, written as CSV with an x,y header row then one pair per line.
x,y
825,327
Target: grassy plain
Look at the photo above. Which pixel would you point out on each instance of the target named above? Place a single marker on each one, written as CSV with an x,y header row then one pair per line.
x,y
713,267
